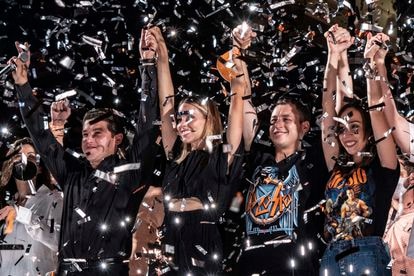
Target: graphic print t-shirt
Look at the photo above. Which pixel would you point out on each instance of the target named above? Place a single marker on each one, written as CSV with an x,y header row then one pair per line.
x,y
275,200
357,200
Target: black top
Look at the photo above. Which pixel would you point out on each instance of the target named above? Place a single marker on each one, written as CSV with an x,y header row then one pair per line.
x,y
204,175
372,186
276,198
98,215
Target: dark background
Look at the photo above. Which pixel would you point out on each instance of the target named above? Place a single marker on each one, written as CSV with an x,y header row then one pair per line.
x,y
55,29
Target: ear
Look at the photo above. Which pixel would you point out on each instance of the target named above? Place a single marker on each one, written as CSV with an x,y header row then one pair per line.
x,y
118,138
305,127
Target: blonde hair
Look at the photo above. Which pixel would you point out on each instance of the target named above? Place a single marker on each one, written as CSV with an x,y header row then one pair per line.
x,y
213,125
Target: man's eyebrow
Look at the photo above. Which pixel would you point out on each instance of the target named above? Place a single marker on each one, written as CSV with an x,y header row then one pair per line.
x,y
282,115
93,129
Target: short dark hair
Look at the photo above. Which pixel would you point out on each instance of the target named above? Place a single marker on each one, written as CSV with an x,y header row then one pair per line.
x,y
304,111
95,115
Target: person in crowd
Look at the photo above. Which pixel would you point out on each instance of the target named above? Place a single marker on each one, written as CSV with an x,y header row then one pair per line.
x,y
282,188
201,169
400,220
361,155
35,210
99,192
31,217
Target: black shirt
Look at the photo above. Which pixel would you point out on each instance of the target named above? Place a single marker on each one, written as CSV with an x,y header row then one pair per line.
x,y
98,215
372,186
276,198
278,195
204,175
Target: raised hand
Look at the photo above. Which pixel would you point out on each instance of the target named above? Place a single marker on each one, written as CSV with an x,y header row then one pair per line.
x,y
338,39
374,45
383,40
60,112
22,63
242,36
162,50
148,44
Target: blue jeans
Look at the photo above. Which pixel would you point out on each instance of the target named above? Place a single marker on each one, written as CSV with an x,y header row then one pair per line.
x,y
360,256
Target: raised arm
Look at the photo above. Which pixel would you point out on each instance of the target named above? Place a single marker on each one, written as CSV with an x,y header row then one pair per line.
x,y
329,142
35,119
165,93
146,130
242,83
59,113
386,147
344,83
240,87
401,132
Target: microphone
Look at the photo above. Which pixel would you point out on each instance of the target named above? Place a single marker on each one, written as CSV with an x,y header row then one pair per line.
x,y
23,56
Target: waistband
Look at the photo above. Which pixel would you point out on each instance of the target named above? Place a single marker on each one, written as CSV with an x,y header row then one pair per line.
x,y
362,241
77,265
189,217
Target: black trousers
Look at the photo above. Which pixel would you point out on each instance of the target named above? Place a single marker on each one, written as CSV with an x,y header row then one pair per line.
x,y
284,259
196,243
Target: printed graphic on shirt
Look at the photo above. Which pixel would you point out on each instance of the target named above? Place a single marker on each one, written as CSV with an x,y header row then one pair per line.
x,y
348,205
272,203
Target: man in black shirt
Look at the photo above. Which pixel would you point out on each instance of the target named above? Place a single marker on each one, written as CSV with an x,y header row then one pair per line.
x,y
282,187
99,207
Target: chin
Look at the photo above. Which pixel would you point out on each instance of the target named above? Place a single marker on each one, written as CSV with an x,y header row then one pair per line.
x,y
353,152
187,140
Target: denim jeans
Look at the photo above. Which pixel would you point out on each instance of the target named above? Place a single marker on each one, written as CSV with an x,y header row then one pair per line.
x,y
360,256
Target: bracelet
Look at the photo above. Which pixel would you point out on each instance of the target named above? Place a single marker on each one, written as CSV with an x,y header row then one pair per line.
x,y
148,61
376,107
370,73
56,128
148,49
239,52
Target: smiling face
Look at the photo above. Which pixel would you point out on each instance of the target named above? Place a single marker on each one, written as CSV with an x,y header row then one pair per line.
x,y
353,137
191,124
98,142
286,129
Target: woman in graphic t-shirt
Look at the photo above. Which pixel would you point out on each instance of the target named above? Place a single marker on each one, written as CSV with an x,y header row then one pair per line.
x,y
361,155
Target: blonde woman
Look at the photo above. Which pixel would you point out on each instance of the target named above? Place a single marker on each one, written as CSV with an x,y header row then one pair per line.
x,y
202,170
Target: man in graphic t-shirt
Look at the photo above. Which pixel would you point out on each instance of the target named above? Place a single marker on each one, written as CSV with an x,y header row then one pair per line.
x,y
281,189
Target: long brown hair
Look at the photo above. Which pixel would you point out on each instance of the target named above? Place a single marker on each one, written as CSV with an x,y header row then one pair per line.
x,y
213,124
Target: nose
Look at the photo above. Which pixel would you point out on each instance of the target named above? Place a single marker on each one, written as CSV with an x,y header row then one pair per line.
x,y
277,123
347,132
87,139
180,125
